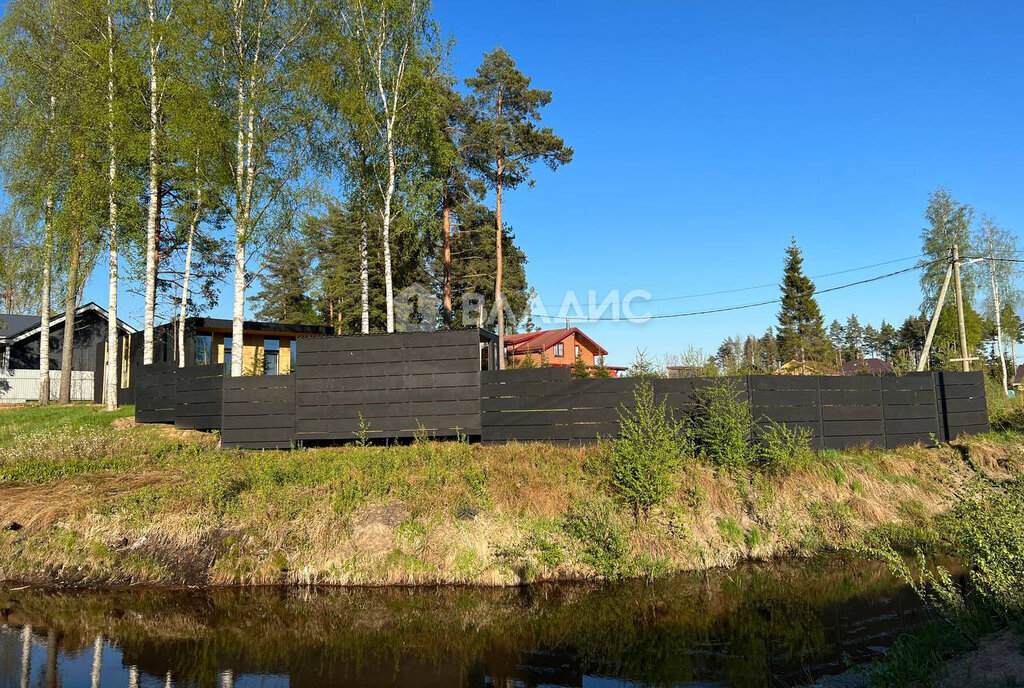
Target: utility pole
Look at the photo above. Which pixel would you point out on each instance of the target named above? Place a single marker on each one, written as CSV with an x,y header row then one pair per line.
x,y
964,360
926,353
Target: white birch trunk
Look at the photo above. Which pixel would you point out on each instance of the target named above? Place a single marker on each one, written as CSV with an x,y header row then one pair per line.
x,y
97,661
999,320
44,306
389,194
112,338
153,217
364,277
26,656
183,312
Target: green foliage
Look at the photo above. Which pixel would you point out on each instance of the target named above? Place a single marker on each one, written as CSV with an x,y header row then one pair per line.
x,y
644,366
286,285
579,369
781,449
652,445
989,533
801,331
949,223
721,426
602,536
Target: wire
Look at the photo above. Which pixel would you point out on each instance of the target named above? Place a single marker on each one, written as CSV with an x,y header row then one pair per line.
x,y
710,311
765,286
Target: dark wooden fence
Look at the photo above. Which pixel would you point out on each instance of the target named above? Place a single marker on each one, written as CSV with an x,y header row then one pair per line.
x,y
259,412
840,412
391,387
388,386
199,394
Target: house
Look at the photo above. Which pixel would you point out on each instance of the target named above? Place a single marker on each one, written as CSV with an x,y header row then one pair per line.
x,y
1018,378
267,348
795,367
556,348
19,353
867,366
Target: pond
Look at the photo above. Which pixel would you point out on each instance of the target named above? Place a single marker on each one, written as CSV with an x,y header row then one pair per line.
x,y
778,624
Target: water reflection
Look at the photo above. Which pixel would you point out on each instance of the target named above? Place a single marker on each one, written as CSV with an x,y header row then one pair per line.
x,y
764,625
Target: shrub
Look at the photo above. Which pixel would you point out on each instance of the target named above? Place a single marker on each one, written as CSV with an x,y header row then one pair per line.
x,y
781,449
721,426
603,536
989,533
643,461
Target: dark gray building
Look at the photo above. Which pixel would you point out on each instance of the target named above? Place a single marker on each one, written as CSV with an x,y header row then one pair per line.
x,y
19,340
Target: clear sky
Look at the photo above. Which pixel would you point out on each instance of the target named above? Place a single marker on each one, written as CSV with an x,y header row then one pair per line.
x,y
709,133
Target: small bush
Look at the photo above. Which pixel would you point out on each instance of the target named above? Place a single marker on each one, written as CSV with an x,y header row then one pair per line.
x,y
601,534
643,461
781,449
721,426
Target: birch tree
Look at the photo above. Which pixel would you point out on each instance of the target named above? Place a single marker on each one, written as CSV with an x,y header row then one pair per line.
x,y
259,46
1000,251
504,141
392,52
112,331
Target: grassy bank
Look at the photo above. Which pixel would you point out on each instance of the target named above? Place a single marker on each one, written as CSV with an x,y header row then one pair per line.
x,y
90,498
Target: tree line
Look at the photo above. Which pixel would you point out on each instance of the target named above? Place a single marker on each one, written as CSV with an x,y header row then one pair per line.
x,y
325,150
991,273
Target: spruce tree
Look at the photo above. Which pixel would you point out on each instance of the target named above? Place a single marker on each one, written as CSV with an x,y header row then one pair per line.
x,y
285,294
801,333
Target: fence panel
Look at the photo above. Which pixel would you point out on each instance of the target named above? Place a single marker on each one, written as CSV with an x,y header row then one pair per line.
x,y
908,405
960,398
388,386
793,401
530,405
20,386
199,397
156,393
851,411
258,412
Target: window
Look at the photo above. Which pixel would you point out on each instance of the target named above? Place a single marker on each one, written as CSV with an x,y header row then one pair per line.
x,y
578,351
204,349
271,356
559,350
227,353
293,349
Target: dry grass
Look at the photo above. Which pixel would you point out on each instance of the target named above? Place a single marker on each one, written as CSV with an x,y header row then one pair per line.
x,y
150,504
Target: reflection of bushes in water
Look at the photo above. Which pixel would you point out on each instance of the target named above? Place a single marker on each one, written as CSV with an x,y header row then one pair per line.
x,y
633,629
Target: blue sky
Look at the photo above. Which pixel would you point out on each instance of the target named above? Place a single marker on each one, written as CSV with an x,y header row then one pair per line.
x,y
707,134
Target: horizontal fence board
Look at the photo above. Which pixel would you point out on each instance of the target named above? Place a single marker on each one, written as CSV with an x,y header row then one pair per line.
x,y
784,398
851,442
803,414
554,401
913,381
782,383
525,375
834,413
510,418
845,428
949,406
909,398
525,389
858,383
595,415
924,411
341,429
904,439
851,397
526,433
923,426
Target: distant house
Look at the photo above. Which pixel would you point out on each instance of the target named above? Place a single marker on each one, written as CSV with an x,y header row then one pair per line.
x,y
1018,377
267,348
19,353
556,348
795,367
867,366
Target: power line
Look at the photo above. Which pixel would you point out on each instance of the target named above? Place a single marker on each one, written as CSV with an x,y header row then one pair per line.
x,y
765,286
726,309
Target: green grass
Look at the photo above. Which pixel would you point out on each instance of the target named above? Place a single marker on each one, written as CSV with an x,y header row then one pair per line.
x,y
424,513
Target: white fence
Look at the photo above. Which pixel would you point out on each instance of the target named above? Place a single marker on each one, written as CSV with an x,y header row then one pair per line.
x,y
19,386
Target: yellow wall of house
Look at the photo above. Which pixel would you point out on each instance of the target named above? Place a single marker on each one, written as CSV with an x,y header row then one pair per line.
x,y
252,351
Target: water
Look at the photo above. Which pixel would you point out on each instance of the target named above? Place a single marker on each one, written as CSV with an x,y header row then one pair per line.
x,y
778,624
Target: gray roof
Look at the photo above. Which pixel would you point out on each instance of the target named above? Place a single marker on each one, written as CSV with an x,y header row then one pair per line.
x,y
11,325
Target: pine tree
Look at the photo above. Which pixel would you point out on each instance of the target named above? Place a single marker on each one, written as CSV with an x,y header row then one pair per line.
x,y
285,293
579,369
801,332
769,352
505,142
853,339
887,340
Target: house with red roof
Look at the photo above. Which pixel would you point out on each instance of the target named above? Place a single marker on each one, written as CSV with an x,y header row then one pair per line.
x,y
557,348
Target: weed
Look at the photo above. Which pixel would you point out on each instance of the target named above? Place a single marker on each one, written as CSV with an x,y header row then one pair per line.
x,y
603,538
721,426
